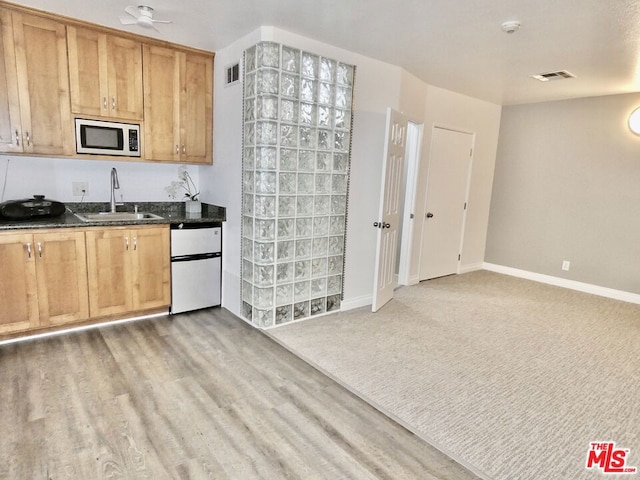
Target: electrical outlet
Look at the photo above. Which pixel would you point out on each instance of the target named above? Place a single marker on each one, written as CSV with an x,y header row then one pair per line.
x,y
80,189
565,265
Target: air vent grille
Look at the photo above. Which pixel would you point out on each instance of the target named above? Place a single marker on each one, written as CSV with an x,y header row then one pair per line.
x,y
559,75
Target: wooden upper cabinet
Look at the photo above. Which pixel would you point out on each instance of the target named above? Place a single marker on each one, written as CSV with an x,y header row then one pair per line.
x,y
105,74
178,105
43,85
10,125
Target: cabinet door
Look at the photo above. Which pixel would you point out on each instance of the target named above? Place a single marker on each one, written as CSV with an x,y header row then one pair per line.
x,y
61,269
161,103
43,84
109,271
10,125
125,78
151,268
18,297
88,71
196,109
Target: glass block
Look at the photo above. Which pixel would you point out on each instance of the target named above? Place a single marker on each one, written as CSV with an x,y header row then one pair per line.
x,y
320,226
325,116
249,133
264,230
327,70
304,227
336,225
344,74
267,81
247,249
336,245
247,203
289,111
247,310
263,252
320,246
290,59
286,206
323,162
333,303
307,114
266,133
267,108
290,85
300,310
284,294
302,269
307,137
334,265
341,141
309,65
284,314
247,291
263,275
249,158
338,183
318,267
285,250
308,90
322,205
262,297
247,226
266,158
324,139
340,162
250,59
262,318
288,135
288,159
319,288
249,109
248,182
265,206
250,85
303,249
301,291
305,183
285,228
338,204
343,119
323,183
284,273
268,54
318,305
307,160
343,97
287,183
334,284
304,205
265,182
325,93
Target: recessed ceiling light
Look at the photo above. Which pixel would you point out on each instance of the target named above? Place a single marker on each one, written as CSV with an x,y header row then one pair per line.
x,y
559,75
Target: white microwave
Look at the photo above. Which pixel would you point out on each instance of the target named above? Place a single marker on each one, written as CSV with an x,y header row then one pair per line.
x,y
99,137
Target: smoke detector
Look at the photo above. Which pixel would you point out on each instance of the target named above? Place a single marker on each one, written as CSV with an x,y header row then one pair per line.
x,y
511,26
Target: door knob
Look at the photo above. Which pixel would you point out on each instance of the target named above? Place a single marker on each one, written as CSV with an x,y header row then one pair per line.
x,y
376,224
429,215
386,225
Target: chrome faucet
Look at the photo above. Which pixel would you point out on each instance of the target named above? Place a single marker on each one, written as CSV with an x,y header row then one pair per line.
x,y
115,185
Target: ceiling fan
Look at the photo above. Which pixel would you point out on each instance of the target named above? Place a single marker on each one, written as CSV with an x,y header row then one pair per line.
x,y
141,15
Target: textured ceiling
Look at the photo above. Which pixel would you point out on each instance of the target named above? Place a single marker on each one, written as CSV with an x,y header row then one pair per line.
x,y
454,44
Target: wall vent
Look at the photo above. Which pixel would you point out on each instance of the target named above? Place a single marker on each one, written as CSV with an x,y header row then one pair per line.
x,y
559,75
233,74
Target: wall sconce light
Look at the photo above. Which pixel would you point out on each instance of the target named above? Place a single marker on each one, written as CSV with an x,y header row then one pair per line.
x,y
634,121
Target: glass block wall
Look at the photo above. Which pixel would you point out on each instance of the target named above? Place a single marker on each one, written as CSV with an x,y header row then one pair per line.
x,y
297,132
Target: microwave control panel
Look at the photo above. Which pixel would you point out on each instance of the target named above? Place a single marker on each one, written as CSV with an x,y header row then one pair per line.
x,y
133,140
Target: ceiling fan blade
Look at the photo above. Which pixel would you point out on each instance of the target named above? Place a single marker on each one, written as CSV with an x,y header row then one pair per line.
x,y
133,11
128,20
161,21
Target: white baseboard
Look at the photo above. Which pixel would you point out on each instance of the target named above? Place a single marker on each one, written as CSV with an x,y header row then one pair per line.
x,y
563,282
357,302
472,267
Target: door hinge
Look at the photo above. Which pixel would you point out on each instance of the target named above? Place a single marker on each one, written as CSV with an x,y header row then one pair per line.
x,y
465,205
458,257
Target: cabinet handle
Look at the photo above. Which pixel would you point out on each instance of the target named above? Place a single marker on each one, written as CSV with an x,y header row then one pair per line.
x,y
17,138
39,249
184,149
126,243
29,249
28,139
135,243
177,149
104,102
113,103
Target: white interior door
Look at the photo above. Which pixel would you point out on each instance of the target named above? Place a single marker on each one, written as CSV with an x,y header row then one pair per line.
x,y
389,213
445,205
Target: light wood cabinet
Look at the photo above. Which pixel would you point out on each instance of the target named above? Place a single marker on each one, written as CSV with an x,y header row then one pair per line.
x,y
129,269
10,125
178,100
105,74
44,279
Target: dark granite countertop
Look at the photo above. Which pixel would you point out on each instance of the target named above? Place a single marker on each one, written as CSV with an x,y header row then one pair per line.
x,y
172,213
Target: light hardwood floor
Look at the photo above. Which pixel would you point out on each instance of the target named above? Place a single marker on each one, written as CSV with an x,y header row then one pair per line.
x,y
199,395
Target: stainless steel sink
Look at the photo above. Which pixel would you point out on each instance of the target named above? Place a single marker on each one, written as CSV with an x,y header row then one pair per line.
x,y
116,216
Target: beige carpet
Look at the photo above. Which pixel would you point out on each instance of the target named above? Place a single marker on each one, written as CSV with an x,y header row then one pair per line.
x,y
510,377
